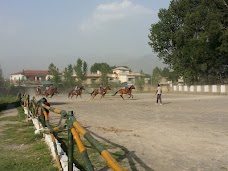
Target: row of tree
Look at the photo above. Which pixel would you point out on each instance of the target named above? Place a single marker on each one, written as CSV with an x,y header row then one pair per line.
x,y
191,36
80,69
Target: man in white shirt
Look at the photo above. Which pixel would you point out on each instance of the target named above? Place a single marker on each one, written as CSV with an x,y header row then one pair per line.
x,y
159,93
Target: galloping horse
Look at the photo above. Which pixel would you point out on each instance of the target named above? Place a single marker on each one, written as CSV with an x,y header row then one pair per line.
x,y
77,92
51,92
125,91
102,92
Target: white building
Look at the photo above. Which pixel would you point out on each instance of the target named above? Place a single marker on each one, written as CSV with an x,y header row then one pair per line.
x,y
35,76
124,74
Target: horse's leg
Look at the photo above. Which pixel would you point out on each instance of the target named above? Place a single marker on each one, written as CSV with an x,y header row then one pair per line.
x,y
95,94
121,95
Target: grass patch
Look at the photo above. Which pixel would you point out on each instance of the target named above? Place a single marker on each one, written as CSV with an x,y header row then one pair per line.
x,y
21,149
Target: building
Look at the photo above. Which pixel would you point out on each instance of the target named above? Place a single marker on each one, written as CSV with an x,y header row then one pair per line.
x,y
41,77
35,77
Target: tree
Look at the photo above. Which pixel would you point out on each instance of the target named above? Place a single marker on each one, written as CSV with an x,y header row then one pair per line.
x,y
156,76
81,70
139,81
191,36
104,74
68,79
84,68
98,67
54,71
2,81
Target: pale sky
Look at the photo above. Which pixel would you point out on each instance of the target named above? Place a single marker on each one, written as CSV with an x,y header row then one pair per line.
x,y
35,33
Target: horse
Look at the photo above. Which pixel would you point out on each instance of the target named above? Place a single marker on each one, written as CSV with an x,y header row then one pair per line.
x,y
125,91
102,92
77,92
51,91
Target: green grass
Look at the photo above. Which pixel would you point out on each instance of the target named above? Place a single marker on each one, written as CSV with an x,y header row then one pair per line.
x,y
21,149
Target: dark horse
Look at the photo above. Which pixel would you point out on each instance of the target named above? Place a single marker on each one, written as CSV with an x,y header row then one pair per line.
x,y
77,92
51,91
125,91
102,92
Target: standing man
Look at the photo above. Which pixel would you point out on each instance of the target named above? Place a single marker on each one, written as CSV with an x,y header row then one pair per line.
x,y
159,93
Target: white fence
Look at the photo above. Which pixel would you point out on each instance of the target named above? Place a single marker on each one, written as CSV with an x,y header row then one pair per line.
x,y
219,89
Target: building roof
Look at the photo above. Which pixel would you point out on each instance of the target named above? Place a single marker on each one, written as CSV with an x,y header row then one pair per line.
x,y
122,68
32,72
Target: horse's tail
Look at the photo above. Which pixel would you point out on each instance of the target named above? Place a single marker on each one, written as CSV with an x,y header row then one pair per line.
x,y
115,93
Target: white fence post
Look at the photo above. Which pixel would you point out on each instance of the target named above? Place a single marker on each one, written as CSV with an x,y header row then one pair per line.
x,y
191,88
198,88
214,89
186,88
223,88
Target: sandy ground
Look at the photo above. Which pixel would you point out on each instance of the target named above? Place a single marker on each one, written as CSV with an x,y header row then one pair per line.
x,y
188,132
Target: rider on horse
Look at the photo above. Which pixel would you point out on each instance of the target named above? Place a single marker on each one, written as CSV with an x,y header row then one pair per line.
x,y
125,86
101,88
76,88
38,88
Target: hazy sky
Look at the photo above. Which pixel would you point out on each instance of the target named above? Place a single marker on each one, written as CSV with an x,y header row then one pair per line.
x,y
35,33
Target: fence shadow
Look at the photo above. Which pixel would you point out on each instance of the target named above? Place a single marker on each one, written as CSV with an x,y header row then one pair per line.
x,y
130,155
6,106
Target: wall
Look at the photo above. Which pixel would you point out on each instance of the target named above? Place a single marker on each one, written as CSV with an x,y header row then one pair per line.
x,y
214,89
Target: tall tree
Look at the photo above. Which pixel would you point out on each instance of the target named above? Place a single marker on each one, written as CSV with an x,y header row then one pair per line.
x,y
156,76
80,70
54,71
104,74
2,81
139,81
191,36
68,76
84,69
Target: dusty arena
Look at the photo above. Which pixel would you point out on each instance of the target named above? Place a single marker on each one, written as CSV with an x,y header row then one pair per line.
x,y
188,132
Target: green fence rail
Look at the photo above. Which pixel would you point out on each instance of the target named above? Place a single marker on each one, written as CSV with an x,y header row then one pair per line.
x,y
38,109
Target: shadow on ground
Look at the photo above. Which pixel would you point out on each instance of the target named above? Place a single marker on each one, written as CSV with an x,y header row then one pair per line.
x,y
130,155
7,106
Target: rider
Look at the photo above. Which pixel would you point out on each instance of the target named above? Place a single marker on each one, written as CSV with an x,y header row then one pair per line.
x,y
76,88
47,88
125,86
101,88
37,88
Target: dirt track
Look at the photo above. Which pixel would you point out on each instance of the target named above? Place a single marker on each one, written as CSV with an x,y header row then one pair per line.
x,y
189,132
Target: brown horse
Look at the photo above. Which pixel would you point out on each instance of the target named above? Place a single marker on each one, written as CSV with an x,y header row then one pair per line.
x,y
125,91
102,92
51,91
77,92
